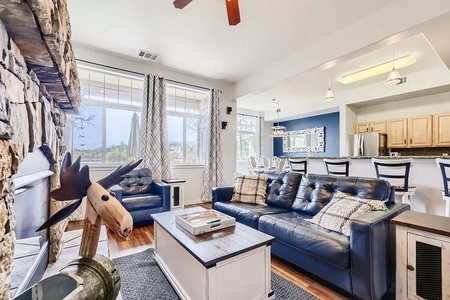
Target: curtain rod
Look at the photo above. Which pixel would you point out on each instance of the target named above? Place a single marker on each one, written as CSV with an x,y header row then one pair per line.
x,y
142,74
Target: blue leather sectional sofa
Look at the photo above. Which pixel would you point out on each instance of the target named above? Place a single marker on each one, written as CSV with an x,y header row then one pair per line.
x,y
362,264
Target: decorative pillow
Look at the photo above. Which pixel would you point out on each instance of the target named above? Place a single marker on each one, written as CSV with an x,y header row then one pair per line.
x,y
250,188
337,214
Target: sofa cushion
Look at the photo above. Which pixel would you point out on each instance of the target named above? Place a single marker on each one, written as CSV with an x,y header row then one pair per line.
x,y
245,213
250,189
282,189
292,228
141,201
316,191
337,214
138,181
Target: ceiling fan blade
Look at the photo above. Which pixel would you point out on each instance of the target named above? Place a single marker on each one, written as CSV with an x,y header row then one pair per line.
x,y
181,3
233,12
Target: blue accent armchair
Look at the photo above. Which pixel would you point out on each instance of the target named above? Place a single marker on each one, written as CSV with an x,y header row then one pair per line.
x,y
141,196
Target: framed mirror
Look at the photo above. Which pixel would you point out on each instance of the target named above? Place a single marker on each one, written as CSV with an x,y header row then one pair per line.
x,y
305,140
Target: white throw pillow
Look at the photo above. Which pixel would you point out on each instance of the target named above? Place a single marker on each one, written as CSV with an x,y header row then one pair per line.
x,y
337,214
250,188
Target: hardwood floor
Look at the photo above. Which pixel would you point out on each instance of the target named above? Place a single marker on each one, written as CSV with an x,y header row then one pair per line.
x,y
142,238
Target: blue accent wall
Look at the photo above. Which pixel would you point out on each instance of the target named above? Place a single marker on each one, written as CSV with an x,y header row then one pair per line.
x,y
329,121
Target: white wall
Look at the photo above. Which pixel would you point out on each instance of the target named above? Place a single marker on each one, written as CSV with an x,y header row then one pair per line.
x,y
193,176
426,105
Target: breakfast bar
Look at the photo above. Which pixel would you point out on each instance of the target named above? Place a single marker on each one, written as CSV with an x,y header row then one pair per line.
x,y
424,174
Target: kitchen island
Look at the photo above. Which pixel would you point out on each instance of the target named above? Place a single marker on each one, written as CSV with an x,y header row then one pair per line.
x,y
424,174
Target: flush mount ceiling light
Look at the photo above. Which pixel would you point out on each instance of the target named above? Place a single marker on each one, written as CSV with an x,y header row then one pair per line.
x,y
383,68
278,131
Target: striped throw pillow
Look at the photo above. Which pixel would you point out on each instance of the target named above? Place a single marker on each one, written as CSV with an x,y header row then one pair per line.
x,y
337,214
250,188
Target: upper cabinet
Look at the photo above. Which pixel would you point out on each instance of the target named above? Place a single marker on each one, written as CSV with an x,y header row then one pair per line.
x,y
397,133
441,130
420,131
379,126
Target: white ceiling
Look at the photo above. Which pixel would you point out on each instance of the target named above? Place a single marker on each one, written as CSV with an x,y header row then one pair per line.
x,y
271,35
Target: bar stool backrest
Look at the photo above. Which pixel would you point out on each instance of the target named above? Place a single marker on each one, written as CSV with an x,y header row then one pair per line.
x,y
444,167
299,165
396,171
339,167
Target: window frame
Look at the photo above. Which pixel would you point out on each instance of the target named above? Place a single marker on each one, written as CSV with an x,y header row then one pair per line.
x,y
257,134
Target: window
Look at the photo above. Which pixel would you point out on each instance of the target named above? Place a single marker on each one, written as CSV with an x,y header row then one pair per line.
x,y
247,136
102,130
186,121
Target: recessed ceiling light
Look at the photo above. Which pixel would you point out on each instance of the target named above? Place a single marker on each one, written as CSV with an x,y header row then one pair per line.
x,y
386,67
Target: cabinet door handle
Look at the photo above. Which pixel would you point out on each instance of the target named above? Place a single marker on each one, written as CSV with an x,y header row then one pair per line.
x,y
410,141
367,129
371,129
405,141
411,268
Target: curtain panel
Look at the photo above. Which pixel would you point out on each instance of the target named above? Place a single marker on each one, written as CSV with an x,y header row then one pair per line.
x,y
213,175
154,141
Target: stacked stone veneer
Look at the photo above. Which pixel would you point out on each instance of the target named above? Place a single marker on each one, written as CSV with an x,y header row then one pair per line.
x,y
29,119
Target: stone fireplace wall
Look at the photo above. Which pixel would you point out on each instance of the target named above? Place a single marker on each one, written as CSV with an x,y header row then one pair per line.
x,y
38,79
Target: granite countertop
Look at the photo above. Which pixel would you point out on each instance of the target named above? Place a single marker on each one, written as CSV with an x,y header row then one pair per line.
x,y
381,157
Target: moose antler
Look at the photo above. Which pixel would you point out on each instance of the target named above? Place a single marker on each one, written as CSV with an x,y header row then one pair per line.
x,y
74,184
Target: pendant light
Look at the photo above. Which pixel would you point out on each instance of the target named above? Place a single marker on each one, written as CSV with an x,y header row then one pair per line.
x,y
278,131
393,76
329,95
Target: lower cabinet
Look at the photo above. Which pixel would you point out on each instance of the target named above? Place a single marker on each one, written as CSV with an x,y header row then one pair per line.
x,y
423,257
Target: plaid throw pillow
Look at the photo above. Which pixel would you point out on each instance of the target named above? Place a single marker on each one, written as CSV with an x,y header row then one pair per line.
x,y
337,214
250,188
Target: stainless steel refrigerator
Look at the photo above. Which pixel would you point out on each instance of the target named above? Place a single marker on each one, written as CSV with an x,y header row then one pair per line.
x,y
368,144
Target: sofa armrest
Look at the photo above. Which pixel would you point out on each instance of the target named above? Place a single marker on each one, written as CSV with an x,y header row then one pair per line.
x,y
372,244
117,189
221,194
162,189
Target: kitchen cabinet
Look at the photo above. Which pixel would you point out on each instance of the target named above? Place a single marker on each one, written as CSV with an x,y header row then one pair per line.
x,y
441,124
378,126
420,131
397,131
414,132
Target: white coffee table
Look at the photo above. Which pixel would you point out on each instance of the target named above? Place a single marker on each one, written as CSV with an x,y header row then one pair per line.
x,y
231,263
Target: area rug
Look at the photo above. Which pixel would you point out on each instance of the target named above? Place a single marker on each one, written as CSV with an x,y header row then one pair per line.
x,y
142,279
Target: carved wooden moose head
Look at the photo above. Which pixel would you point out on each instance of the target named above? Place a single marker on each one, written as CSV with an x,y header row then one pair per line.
x,y
101,205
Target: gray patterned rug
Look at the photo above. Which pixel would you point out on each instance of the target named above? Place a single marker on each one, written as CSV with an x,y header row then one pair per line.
x,y
142,279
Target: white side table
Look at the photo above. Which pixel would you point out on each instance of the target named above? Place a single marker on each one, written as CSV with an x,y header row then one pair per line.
x,y
176,192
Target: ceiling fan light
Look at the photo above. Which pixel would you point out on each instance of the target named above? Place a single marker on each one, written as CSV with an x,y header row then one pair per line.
x,y
393,77
329,95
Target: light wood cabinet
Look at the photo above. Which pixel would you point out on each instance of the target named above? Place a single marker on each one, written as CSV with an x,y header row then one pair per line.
x,y
423,256
397,133
379,126
420,131
441,130
412,132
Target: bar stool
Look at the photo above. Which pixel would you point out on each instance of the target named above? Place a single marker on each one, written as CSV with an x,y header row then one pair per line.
x,y
396,171
444,167
298,165
338,167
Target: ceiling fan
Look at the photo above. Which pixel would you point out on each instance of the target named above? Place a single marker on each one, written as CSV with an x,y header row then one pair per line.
x,y
232,9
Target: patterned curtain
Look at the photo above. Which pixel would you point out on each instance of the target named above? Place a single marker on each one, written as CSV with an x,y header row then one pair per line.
x,y
213,175
154,142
